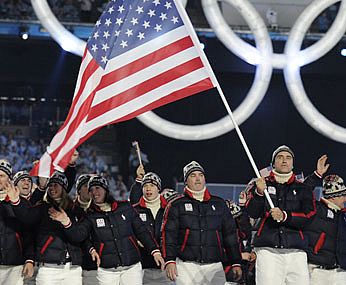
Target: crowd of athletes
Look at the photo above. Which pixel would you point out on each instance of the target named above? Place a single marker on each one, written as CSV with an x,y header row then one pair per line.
x,y
160,236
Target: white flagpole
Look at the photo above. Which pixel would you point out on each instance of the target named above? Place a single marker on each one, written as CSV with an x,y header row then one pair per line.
x,y
205,60
243,142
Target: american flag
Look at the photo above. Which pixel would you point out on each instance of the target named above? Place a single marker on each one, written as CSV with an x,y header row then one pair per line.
x,y
142,54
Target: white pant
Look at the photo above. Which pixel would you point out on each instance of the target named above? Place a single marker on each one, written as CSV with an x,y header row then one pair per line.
x,y
326,277
89,277
281,267
127,275
11,275
155,277
51,274
199,274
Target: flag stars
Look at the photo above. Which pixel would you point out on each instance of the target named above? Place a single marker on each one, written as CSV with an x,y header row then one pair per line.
x,y
139,10
119,21
140,36
94,48
105,47
98,23
175,20
156,2
117,33
168,5
111,10
106,34
122,9
158,28
146,24
151,13
163,16
129,32
123,44
134,21
96,35
108,22
104,59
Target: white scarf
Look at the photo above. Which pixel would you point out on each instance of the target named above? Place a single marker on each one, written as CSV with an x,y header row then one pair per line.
x,y
282,178
153,205
198,195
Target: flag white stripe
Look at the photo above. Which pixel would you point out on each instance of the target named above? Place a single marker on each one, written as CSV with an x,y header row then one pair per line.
x,y
145,49
143,75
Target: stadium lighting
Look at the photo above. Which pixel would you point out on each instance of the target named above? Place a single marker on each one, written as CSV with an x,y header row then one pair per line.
x,y
343,52
23,32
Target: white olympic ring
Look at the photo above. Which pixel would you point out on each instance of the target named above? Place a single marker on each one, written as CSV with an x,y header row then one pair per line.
x,y
262,56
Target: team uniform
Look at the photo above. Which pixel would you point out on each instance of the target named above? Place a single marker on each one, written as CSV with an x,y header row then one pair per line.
x,y
280,245
327,247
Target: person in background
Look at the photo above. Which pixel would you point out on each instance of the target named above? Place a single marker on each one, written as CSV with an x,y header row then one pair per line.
x,y
16,244
114,227
151,207
326,250
59,259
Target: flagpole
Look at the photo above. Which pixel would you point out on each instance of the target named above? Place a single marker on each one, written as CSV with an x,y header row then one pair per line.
x,y
242,140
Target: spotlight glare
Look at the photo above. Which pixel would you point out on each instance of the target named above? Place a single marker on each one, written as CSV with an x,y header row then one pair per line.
x,y
343,52
25,36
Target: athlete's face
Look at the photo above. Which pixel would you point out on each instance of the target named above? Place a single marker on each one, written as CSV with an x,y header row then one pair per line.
x,y
196,181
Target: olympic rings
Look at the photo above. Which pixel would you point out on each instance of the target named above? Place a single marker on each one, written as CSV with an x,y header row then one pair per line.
x,y
262,56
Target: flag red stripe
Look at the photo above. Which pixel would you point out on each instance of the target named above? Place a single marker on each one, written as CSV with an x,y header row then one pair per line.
x,y
146,61
145,87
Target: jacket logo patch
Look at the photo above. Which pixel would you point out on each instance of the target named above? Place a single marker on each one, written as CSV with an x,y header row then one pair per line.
x,y
100,223
294,192
143,217
330,214
123,216
213,207
188,207
272,190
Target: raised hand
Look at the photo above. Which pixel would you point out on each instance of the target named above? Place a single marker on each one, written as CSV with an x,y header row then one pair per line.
x,y
322,166
11,191
59,216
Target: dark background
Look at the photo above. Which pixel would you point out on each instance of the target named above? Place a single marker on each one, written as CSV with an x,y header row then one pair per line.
x,y
51,73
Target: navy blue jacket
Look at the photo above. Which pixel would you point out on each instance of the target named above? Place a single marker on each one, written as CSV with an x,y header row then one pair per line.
x,y
293,197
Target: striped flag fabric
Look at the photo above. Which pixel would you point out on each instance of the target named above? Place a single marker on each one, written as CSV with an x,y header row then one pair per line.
x,y
142,54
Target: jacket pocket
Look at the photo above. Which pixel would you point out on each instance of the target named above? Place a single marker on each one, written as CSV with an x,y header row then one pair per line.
x,y
102,245
134,243
19,241
319,242
262,223
186,236
219,242
46,244
301,234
